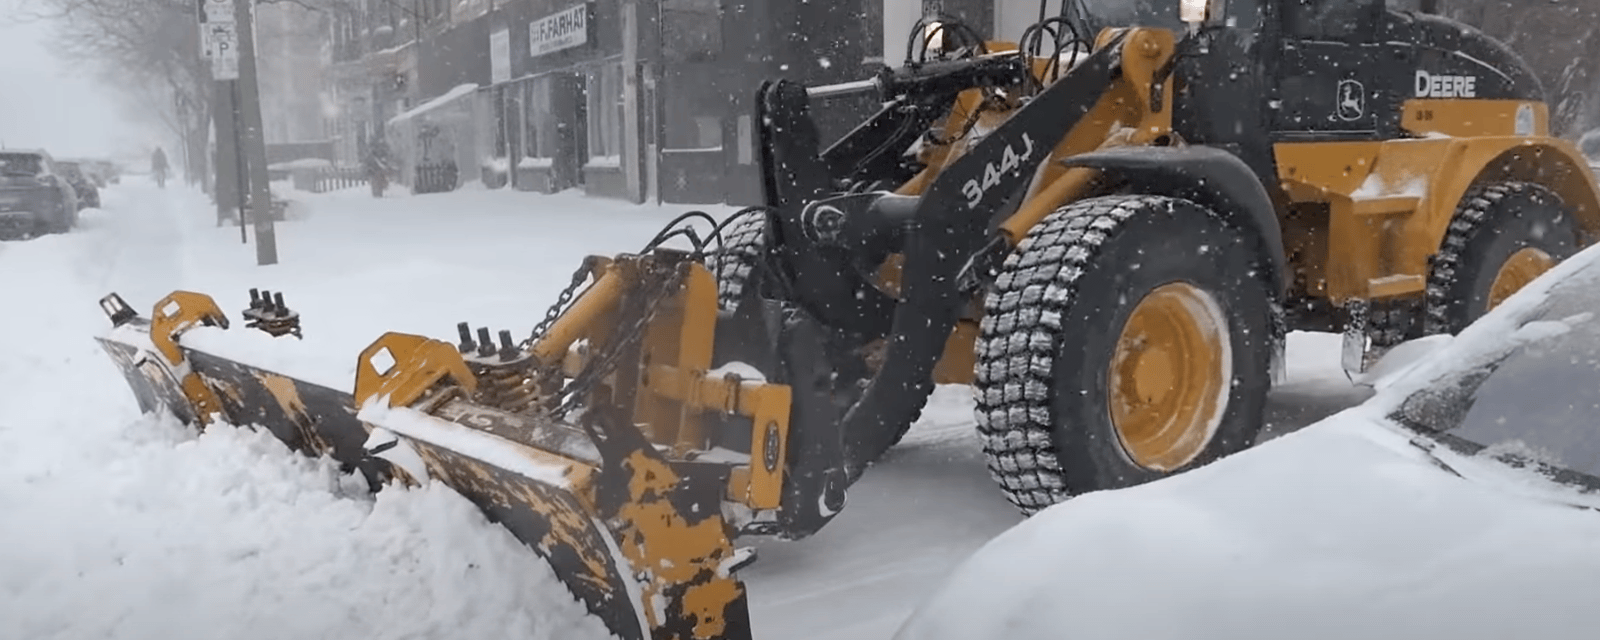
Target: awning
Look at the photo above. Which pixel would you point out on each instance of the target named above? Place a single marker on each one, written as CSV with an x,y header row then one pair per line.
x,y
435,103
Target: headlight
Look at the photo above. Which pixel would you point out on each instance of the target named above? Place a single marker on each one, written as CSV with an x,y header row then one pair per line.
x,y
933,36
1192,11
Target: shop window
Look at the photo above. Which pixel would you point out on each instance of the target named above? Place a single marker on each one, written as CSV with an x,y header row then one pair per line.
x,y
501,110
1345,20
872,28
539,124
691,30
693,108
603,86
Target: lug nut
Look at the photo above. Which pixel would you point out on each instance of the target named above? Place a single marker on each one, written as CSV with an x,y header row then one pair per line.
x,y
466,337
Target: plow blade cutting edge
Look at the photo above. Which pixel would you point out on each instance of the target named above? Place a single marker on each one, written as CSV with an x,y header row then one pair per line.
x,y
639,539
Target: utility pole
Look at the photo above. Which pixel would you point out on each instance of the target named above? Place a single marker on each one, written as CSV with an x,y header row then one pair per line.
x,y
228,39
252,137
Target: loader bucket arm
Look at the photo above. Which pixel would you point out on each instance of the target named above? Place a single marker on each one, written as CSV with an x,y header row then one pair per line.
x,y
947,229
950,230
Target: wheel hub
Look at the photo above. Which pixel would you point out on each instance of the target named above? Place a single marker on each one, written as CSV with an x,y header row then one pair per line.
x,y
1523,267
1170,376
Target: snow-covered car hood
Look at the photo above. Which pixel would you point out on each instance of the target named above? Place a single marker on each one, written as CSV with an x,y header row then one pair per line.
x,y
1357,526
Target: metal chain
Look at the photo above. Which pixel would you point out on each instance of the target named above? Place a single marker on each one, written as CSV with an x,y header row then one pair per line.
x,y
555,310
601,365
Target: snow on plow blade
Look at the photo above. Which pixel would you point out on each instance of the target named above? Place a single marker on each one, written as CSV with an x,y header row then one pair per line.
x,y
638,538
196,386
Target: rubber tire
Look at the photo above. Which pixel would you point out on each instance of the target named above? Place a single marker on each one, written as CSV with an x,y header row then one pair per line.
x,y
1492,222
735,263
1052,321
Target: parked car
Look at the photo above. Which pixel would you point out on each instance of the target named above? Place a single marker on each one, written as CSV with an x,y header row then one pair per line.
x,y
93,170
35,199
108,171
88,193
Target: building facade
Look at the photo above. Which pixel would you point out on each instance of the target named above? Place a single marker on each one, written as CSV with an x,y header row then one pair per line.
x,y
645,100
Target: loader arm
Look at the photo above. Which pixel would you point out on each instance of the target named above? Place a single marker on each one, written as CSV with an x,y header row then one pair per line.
x,y
943,229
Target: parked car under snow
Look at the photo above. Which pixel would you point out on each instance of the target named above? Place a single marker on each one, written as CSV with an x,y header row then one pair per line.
x,y
1458,502
82,184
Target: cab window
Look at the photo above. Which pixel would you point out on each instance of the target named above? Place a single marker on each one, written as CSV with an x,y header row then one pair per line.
x,y
1344,20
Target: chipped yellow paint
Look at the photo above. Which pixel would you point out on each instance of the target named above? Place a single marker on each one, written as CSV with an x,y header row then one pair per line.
x,y
226,389
284,391
659,541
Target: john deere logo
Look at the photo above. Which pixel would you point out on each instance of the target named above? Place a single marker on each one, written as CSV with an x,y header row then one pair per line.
x,y
1352,100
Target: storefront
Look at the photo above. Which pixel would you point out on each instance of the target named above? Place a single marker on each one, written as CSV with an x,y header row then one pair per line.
x,y
559,100
637,99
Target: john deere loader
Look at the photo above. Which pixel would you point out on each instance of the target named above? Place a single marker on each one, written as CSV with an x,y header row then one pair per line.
x,y
1106,235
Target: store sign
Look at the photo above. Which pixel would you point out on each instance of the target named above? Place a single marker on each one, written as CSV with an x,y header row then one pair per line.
x,y
500,56
564,30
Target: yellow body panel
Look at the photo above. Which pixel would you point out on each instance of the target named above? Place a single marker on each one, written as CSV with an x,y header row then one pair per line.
x,y
1391,202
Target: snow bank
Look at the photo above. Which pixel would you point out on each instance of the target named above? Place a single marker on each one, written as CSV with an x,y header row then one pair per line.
x,y
301,163
1343,529
1336,531
155,534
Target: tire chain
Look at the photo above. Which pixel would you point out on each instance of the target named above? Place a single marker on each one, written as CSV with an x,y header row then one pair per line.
x,y
1014,348
1473,212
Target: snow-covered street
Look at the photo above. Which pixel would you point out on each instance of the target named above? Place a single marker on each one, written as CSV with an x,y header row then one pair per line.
x,y
130,527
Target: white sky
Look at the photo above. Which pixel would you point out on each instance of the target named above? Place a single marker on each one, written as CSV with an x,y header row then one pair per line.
x,y
45,103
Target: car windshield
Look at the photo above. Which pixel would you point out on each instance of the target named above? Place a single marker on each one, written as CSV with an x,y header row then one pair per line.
x,y
1538,403
21,164
69,169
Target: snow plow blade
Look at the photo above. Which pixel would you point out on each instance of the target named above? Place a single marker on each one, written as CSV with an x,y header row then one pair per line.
x,y
197,387
636,533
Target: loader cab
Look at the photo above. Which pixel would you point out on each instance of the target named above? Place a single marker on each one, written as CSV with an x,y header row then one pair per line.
x,y
1313,70
1329,75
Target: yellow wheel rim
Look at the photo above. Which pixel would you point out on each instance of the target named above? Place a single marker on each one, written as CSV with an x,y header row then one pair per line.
x,y
1521,268
1170,376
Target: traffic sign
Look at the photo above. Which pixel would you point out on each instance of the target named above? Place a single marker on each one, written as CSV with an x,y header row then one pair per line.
x,y
222,44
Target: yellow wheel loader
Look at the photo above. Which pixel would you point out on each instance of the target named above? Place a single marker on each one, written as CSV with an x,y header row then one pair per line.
x,y
1107,235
